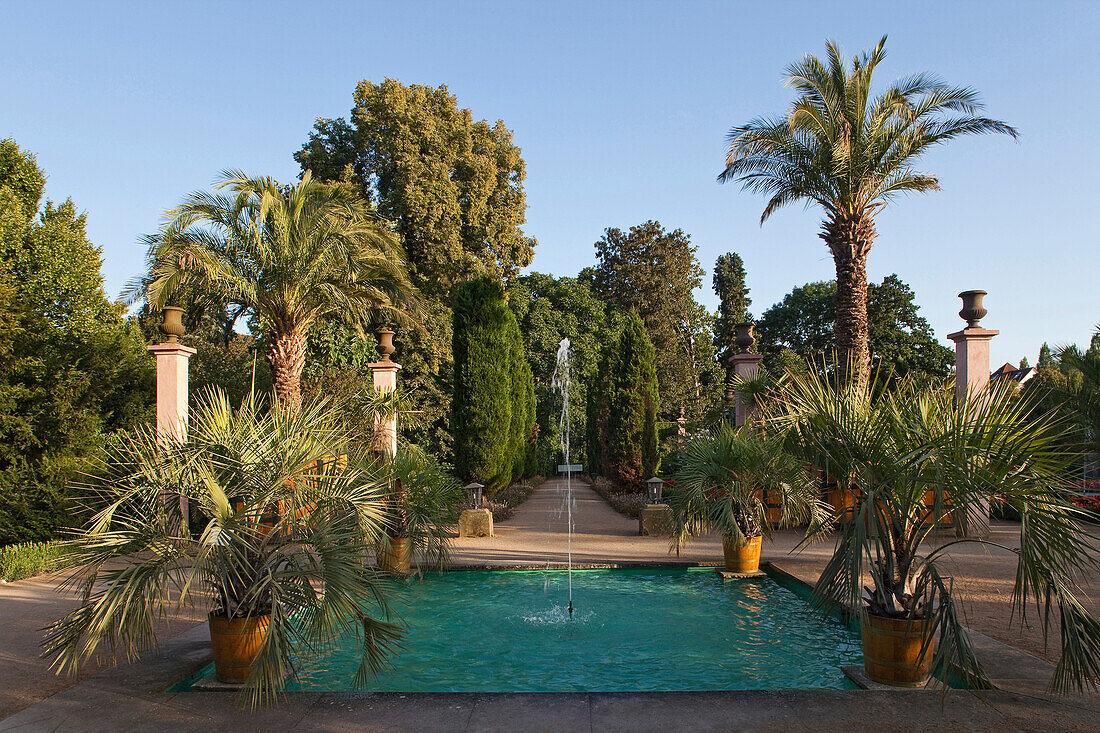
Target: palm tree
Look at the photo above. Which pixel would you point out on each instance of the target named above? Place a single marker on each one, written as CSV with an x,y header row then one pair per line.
x,y
285,519
916,459
851,154
284,256
727,475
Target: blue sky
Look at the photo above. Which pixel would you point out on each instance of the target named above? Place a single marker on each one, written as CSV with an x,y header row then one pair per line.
x,y
621,110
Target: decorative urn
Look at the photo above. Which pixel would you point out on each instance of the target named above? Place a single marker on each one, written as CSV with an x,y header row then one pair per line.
x,y
743,337
972,310
172,323
385,343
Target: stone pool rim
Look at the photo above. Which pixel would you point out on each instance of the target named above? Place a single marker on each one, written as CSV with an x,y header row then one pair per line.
x,y
769,570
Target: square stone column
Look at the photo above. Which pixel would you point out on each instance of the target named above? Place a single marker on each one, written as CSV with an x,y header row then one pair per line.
x,y
171,390
971,378
385,380
971,359
746,366
172,405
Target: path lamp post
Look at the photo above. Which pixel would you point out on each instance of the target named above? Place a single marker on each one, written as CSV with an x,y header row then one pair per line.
x,y
655,487
473,494
475,521
656,518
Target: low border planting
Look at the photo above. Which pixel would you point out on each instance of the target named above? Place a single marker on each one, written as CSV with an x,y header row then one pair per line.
x,y
28,559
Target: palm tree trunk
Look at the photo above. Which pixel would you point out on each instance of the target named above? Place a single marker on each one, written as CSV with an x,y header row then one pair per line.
x,y
850,238
286,355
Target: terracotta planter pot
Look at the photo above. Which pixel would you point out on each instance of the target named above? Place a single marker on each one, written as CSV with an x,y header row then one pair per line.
x,y
892,651
397,558
741,556
236,642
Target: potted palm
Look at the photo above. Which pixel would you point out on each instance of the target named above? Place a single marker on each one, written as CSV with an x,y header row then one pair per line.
x,y
424,503
423,498
726,481
278,562
916,459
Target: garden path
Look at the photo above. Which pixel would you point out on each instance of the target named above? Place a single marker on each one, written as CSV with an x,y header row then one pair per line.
x,y
536,535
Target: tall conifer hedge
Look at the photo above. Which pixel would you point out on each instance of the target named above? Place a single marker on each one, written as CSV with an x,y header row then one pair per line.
x,y
632,407
493,406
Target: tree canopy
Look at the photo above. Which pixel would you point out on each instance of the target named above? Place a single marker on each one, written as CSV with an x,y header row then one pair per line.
x,y
901,338
71,370
655,272
453,187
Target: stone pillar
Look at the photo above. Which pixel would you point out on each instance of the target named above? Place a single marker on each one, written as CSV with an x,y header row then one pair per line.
x,y
172,409
384,373
972,377
745,365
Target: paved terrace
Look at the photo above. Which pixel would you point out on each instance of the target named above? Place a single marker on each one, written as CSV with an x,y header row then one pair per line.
x,y
132,697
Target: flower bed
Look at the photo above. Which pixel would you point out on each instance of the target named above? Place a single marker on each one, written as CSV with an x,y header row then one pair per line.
x,y
504,504
627,502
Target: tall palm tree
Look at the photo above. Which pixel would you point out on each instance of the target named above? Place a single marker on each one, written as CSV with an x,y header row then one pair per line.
x,y
851,154
285,256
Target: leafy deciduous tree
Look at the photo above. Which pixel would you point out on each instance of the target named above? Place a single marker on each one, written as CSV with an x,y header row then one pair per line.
x,y
901,339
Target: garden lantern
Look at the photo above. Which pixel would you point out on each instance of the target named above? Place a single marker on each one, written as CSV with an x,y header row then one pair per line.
x,y
473,494
654,485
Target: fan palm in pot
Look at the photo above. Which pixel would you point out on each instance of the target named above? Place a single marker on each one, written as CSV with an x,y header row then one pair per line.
x,y
279,562
916,458
726,480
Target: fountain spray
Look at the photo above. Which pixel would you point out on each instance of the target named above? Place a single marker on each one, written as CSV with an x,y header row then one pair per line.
x,y
561,382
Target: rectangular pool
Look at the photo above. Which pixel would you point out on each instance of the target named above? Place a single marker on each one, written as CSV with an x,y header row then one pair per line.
x,y
633,630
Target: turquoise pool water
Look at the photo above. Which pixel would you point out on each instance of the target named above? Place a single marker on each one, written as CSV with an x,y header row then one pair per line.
x,y
646,629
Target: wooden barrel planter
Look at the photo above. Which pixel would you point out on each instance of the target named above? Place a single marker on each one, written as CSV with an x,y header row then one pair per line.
x,y
892,651
741,556
396,557
236,642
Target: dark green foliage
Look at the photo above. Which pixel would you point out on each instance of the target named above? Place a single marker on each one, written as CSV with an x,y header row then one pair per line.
x,y
453,189
492,409
655,272
900,338
597,410
733,302
1069,383
549,309
229,366
522,400
70,368
633,402
1045,358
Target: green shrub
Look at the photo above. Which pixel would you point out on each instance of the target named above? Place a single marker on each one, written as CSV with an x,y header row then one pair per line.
x,y
29,558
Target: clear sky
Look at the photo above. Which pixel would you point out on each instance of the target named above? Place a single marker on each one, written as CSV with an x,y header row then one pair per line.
x,y
621,109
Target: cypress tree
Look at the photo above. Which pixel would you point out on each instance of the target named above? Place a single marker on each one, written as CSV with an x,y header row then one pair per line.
x,y
633,403
522,398
1046,361
481,408
596,411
